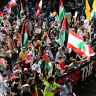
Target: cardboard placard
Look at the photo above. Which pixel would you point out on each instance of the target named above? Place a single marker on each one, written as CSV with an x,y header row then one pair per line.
x,y
38,30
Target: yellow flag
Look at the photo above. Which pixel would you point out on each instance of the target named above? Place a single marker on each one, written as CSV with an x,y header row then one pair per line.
x,y
94,5
88,13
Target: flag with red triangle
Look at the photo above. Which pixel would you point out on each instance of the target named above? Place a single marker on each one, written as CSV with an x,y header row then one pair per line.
x,y
47,62
1,17
12,3
24,36
22,10
25,42
39,9
61,11
63,33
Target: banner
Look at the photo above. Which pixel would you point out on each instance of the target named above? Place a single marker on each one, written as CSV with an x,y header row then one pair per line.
x,y
78,75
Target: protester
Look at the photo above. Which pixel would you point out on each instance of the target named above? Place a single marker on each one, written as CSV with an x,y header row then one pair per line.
x,y
50,88
26,90
5,88
68,88
33,46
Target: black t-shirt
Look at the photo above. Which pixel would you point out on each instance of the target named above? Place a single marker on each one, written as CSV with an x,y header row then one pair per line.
x,y
25,77
15,88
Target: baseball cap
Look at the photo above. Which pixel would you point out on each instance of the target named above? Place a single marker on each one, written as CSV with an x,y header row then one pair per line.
x,y
25,69
68,80
26,85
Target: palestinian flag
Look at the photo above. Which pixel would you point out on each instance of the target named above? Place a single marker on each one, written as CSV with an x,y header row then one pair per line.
x,y
83,6
25,42
22,10
1,17
47,62
2,63
63,33
61,11
78,45
39,8
24,36
12,3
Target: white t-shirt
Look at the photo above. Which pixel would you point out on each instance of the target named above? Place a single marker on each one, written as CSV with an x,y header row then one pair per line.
x,y
37,67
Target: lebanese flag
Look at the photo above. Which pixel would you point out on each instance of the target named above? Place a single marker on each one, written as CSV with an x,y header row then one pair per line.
x,y
39,8
12,3
2,63
78,45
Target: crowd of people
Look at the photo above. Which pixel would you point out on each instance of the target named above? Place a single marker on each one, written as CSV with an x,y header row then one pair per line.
x,y
26,73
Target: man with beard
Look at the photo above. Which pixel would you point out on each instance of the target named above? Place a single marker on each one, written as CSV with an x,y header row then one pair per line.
x,y
25,75
54,46
26,90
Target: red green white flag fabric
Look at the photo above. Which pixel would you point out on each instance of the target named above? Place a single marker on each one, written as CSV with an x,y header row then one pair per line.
x,y
78,45
61,11
12,3
63,31
83,6
22,10
1,17
25,43
2,63
39,8
47,62
22,34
